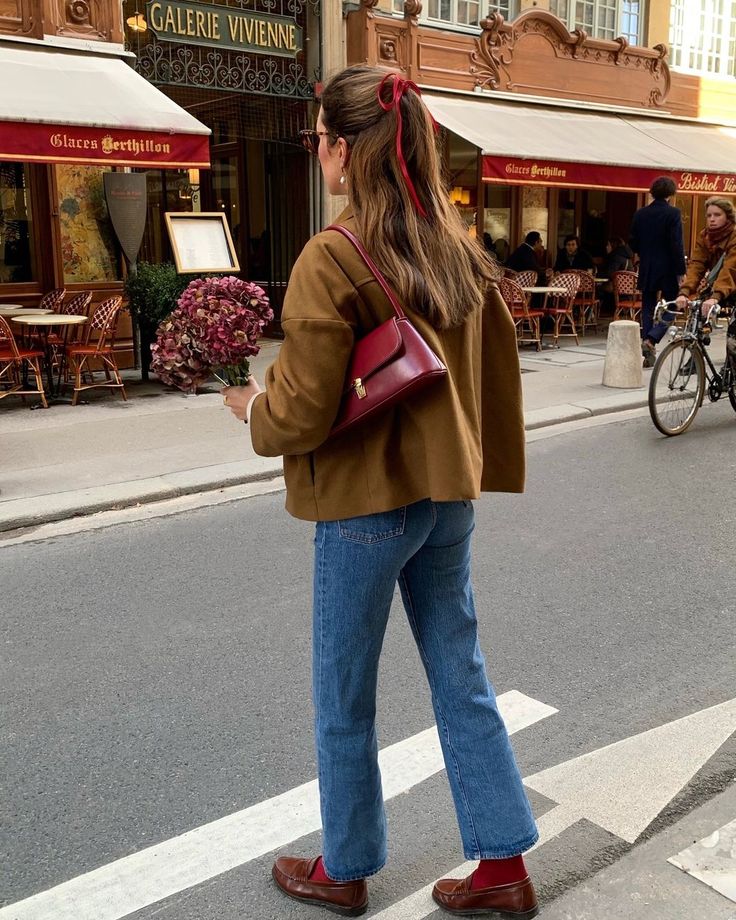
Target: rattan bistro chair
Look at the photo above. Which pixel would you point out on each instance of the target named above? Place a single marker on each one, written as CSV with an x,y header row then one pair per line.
x,y
83,356
562,309
14,362
586,301
53,300
626,298
526,321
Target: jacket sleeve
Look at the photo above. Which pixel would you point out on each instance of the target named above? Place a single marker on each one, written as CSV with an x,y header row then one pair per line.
x,y
696,268
634,234
303,387
725,283
677,245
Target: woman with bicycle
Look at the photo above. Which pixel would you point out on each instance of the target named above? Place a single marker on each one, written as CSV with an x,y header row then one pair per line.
x,y
685,369
716,246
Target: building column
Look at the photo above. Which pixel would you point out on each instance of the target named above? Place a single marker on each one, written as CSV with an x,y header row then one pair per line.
x,y
333,60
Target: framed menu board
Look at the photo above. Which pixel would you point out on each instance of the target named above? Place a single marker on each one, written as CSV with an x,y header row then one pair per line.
x,y
201,242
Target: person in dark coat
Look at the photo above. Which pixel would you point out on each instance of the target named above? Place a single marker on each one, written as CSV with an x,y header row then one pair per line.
x,y
572,256
618,256
656,237
527,256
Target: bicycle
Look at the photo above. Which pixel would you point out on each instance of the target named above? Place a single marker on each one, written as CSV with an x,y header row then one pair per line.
x,y
680,373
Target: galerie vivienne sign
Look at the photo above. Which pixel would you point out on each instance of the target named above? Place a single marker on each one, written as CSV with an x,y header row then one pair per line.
x,y
224,27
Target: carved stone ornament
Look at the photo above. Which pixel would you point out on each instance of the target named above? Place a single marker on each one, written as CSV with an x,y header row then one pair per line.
x,y
412,9
77,11
387,51
369,6
493,52
503,59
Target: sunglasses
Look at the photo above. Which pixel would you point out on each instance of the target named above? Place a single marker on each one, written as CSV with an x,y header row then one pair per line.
x,y
310,139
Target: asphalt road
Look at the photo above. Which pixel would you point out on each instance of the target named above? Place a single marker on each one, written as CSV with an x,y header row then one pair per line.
x,y
155,675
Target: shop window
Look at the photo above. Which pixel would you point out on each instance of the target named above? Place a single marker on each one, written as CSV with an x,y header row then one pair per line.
x,y
703,35
88,249
497,220
534,211
459,12
602,18
16,225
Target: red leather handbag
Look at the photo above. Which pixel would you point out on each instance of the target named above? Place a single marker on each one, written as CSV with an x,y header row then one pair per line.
x,y
388,365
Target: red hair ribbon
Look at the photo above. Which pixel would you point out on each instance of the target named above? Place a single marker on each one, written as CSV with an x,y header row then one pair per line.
x,y
400,86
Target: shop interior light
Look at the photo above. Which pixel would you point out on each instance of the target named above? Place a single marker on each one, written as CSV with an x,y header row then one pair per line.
x,y
137,22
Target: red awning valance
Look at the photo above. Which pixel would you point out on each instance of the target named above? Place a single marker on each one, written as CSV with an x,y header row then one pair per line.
x,y
69,107
515,171
48,143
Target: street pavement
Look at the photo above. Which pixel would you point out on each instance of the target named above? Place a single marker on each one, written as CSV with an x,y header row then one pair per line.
x,y
161,445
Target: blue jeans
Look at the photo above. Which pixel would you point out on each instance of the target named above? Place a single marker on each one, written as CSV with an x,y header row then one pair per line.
x,y
426,548
649,301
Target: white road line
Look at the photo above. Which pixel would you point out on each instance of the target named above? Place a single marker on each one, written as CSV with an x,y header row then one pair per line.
x,y
420,903
143,878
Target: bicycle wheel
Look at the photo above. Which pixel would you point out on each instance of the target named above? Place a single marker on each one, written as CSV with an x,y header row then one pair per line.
x,y
676,387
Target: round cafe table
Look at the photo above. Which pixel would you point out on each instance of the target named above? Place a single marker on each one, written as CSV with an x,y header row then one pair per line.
x,y
9,310
44,322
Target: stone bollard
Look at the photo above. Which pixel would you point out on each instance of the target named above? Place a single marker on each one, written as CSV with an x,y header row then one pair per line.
x,y
623,363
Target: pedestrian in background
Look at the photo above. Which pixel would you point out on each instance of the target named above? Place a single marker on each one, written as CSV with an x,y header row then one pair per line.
x,y
392,500
656,237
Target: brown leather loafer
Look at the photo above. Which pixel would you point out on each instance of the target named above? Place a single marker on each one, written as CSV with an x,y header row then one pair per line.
x,y
292,876
517,901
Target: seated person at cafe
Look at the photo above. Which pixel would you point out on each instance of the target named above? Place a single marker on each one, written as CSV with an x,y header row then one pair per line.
x,y
572,256
528,256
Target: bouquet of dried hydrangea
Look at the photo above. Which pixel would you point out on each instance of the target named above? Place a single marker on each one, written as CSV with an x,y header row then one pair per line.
x,y
212,332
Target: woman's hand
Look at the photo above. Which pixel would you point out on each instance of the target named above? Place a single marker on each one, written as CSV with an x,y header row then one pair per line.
x,y
237,398
707,305
681,302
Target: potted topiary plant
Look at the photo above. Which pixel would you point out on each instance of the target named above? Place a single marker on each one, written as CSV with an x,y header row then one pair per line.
x,y
152,294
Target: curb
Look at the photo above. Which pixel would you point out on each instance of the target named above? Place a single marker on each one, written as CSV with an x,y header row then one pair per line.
x,y
44,509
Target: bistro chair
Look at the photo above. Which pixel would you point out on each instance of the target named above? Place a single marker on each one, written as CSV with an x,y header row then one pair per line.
x,y
527,278
15,362
77,306
626,298
526,321
53,300
83,355
563,305
586,303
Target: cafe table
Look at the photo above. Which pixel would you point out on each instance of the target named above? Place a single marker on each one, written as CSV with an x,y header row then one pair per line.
x,y
543,289
43,324
9,310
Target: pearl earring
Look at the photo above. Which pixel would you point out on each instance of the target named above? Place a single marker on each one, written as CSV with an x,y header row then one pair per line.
x,y
342,180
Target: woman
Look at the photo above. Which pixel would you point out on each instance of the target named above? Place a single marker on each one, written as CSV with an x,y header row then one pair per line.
x,y
618,256
716,240
392,500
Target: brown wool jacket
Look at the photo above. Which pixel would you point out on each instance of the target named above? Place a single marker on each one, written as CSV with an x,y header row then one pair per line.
x,y
461,436
702,261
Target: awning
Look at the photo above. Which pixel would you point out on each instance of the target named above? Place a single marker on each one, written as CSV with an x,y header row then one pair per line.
x,y
528,144
60,107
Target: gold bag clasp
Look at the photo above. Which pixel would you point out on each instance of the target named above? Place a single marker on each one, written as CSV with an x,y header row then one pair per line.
x,y
359,388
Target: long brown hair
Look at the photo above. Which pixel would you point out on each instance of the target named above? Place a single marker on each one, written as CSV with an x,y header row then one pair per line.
x,y
436,268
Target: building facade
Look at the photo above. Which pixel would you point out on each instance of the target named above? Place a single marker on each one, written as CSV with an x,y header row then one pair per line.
x,y
558,114
247,70
73,109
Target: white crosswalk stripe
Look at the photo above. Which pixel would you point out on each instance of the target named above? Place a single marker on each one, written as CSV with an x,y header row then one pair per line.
x,y
146,877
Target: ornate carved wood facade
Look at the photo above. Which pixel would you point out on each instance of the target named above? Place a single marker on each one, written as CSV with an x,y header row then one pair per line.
x,y
22,18
535,54
93,20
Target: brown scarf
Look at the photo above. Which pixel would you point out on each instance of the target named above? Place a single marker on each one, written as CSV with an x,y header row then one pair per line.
x,y
714,239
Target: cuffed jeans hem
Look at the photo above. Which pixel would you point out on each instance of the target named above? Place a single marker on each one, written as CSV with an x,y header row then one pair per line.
x,y
506,853
351,877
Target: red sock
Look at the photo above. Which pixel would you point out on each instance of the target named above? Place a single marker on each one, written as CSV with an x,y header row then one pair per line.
x,y
493,872
318,874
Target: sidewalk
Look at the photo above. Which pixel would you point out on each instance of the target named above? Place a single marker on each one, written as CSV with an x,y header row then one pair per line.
x,y
68,461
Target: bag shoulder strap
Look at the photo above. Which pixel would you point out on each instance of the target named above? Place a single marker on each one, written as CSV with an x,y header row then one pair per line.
x,y
372,266
715,271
